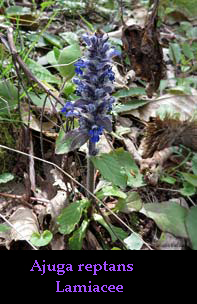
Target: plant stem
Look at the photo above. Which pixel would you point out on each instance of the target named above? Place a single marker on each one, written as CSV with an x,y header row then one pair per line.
x,y
90,177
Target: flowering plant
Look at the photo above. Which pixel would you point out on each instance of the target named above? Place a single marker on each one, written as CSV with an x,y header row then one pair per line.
x,y
94,82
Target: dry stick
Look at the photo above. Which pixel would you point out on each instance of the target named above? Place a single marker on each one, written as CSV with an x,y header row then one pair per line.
x,y
22,198
41,136
29,74
79,184
31,164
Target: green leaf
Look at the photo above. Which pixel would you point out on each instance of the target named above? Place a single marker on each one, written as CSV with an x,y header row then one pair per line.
x,y
135,178
187,8
119,168
40,99
118,231
168,179
17,10
70,37
133,202
42,239
130,92
8,97
187,50
191,225
129,106
46,4
6,177
188,189
70,141
68,57
194,163
116,248
76,240
110,191
4,227
175,52
70,216
190,178
110,167
169,217
40,72
69,88
52,39
133,242
50,56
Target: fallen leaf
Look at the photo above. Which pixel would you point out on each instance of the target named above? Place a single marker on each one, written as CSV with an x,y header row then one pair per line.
x,y
25,224
169,217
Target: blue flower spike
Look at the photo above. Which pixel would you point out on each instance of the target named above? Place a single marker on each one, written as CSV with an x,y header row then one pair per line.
x,y
94,83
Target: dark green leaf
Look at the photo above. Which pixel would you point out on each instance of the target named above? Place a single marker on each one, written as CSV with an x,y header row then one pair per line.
x,y
169,217
168,179
117,230
129,106
187,50
188,189
194,163
40,72
68,57
111,169
110,191
53,39
133,202
190,178
76,240
8,97
70,216
191,225
175,52
119,168
130,92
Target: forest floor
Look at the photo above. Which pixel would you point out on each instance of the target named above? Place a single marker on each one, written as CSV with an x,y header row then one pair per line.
x,y
145,169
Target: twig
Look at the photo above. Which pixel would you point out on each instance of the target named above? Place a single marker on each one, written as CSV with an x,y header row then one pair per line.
x,y
23,197
31,164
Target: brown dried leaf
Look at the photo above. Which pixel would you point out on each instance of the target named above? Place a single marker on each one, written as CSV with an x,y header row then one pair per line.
x,y
169,132
145,52
185,105
24,222
34,121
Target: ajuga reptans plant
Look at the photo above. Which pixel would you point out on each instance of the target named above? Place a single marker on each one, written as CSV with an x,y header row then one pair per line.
x,y
94,83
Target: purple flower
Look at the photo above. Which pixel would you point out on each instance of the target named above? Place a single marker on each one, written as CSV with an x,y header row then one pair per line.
x,y
95,132
94,86
79,64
